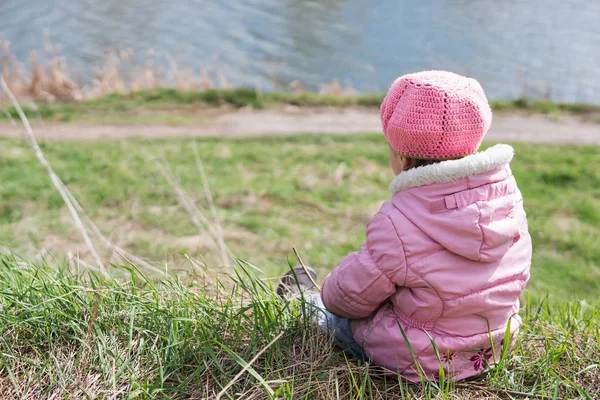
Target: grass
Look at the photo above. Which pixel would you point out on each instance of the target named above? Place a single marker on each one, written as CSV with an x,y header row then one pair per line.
x,y
272,193
172,106
69,334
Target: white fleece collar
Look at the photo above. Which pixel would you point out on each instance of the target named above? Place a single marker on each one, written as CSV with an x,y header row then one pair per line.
x,y
447,171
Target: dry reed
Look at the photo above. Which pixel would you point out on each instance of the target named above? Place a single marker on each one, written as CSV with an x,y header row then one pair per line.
x,y
56,181
50,78
86,226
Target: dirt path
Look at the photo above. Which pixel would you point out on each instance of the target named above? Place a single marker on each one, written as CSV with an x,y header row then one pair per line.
x,y
536,129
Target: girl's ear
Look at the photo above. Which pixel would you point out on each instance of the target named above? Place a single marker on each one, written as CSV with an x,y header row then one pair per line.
x,y
396,161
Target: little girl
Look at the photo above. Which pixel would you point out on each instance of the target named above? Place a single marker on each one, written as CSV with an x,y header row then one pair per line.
x,y
447,258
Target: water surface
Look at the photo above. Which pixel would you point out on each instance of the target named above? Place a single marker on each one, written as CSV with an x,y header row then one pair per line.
x,y
514,47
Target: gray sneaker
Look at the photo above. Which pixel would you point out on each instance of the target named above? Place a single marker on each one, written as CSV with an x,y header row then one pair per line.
x,y
296,281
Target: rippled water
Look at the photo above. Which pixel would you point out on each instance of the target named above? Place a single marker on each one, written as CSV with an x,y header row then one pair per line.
x,y
516,47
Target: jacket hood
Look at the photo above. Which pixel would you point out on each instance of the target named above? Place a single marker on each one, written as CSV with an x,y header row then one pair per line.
x,y
465,205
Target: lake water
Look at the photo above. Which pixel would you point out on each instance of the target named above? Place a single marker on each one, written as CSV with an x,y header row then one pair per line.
x,y
514,47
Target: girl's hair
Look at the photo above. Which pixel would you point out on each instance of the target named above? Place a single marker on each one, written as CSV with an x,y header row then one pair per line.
x,y
419,162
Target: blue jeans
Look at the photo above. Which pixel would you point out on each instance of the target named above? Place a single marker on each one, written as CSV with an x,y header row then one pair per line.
x,y
338,328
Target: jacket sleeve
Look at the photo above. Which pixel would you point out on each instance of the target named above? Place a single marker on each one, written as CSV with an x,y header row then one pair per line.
x,y
365,279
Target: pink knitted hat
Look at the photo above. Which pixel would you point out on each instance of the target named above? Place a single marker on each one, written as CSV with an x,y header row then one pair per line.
x,y
435,115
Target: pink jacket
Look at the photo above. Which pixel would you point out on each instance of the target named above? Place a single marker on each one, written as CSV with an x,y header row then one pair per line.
x,y
447,256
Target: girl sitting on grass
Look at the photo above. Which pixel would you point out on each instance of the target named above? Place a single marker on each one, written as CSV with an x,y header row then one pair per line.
x,y
446,259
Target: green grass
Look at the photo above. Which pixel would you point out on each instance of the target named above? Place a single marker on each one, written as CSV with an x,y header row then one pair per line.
x,y
171,103
272,193
173,106
65,334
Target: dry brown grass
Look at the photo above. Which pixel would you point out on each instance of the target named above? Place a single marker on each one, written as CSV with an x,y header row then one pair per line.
x,y
50,77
